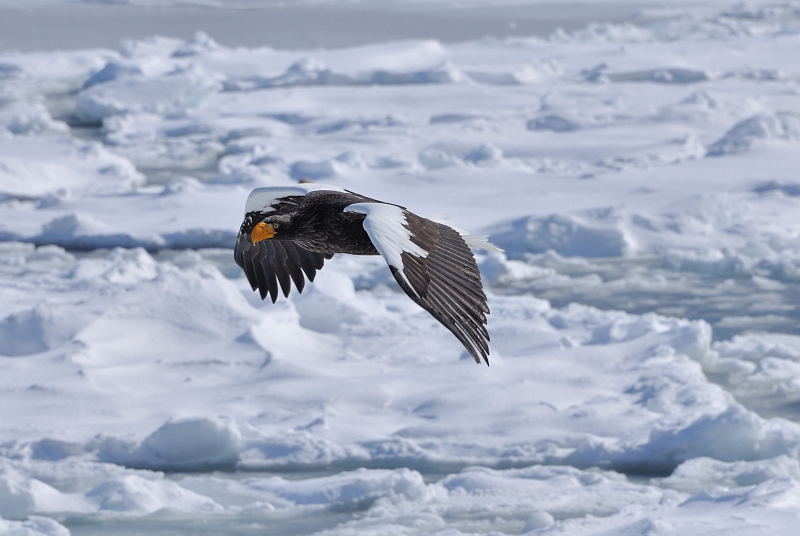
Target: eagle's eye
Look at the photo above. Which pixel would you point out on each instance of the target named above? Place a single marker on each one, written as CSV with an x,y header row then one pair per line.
x,y
276,225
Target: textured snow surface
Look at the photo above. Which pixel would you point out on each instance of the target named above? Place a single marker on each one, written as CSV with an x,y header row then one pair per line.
x,y
645,380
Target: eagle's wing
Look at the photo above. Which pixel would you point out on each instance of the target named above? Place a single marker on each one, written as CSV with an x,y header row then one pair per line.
x,y
273,263
435,267
276,262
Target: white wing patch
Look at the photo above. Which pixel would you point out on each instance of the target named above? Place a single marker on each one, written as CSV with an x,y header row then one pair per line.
x,y
473,241
386,227
262,199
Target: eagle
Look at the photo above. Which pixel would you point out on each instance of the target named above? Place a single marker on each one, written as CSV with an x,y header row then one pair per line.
x,y
289,232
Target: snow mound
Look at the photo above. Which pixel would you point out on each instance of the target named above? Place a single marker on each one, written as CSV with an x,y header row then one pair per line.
x,y
761,371
484,154
305,169
54,449
778,494
112,71
556,123
33,166
346,490
201,43
182,214
734,434
741,137
36,330
119,267
34,526
497,269
595,32
133,494
82,231
791,189
190,444
169,93
698,474
29,118
444,155
294,449
313,72
16,498
566,235
571,492
199,238
327,306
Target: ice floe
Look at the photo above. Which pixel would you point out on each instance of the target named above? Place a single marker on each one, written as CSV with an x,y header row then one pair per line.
x,y
640,176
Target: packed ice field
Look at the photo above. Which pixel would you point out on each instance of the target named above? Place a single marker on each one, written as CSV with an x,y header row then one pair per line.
x,y
644,375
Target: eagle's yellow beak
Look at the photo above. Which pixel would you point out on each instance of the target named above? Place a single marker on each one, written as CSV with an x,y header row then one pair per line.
x,y
262,231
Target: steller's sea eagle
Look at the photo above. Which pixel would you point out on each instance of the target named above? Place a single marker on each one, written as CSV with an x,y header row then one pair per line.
x,y
289,231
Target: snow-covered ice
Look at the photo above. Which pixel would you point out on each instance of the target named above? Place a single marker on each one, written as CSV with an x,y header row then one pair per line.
x,y
640,175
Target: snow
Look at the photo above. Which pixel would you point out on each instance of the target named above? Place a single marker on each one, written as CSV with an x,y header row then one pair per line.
x,y
639,174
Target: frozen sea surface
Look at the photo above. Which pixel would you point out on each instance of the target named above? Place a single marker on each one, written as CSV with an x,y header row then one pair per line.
x,y
69,24
641,176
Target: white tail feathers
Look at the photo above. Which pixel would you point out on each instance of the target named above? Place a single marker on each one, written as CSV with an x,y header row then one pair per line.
x,y
480,242
473,241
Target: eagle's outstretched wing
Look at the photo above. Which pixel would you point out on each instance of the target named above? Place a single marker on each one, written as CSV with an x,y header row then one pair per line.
x,y
276,262
435,267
